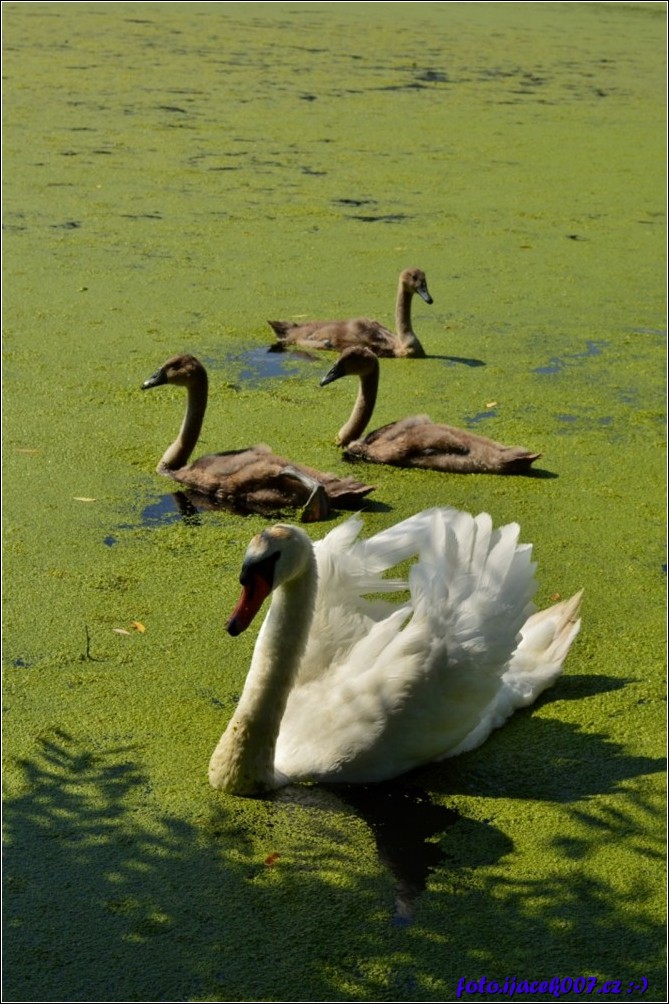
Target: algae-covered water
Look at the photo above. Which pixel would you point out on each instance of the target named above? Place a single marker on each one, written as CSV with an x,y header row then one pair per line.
x,y
175,174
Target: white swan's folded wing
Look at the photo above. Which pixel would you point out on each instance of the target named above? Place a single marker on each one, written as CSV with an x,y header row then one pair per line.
x,y
350,573
401,684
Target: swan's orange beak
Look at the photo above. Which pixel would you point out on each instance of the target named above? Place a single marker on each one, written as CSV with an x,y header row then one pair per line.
x,y
254,593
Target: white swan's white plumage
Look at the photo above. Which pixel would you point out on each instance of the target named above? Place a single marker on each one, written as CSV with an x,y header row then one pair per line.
x,y
367,688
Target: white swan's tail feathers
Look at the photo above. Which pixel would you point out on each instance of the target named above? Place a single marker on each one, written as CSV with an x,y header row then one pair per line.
x,y
549,633
546,638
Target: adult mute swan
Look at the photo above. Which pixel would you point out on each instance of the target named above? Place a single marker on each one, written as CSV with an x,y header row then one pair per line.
x,y
416,441
361,330
347,688
254,479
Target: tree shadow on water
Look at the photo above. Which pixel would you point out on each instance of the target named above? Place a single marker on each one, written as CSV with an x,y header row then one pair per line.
x,y
109,897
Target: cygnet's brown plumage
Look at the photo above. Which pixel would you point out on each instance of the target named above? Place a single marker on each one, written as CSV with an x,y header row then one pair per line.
x,y
254,479
339,335
416,441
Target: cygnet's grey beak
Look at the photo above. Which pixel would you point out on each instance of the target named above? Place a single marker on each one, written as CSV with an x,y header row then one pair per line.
x,y
154,381
333,374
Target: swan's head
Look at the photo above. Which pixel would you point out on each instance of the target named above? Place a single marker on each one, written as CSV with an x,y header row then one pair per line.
x,y
414,281
180,370
354,361
274,557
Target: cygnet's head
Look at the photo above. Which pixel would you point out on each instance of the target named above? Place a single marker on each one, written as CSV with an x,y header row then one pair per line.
x,y
354,361
179,370
413,279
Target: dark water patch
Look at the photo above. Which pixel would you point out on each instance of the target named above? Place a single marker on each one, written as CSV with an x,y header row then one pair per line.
x,y
109,541
256,365
21,663
457,360
354,202
557,363
434,77
584,422
414,86
388,218
141,216
310,171
189,507
173,507
660,332
68,225
167,510
209,696
480,416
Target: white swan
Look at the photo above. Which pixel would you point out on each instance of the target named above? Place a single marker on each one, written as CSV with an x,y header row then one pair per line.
x,y
346,688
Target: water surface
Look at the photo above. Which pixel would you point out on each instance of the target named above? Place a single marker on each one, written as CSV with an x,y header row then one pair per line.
x,y
175,174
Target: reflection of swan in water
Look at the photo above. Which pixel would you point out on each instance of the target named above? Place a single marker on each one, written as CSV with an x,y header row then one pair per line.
x,y
254,479
343,688
416,441
339,335
402,819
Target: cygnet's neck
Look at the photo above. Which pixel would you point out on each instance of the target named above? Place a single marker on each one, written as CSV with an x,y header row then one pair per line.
x,y
176,455
363,408
243,761
403,328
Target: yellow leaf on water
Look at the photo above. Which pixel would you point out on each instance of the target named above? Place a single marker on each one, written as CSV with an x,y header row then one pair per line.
x,y
121,631
138,626
491,404
82,498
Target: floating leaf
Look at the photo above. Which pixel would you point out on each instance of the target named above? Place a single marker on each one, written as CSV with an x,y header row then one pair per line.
x,y
491,404
121,631
82,498
271,859
138,626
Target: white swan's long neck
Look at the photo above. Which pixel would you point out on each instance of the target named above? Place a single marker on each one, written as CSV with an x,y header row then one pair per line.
x,y
403,328
363,409
243,761
176,455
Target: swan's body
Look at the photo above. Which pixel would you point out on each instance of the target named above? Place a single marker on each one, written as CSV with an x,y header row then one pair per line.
x,y
338,335
254,479
416,441
343,688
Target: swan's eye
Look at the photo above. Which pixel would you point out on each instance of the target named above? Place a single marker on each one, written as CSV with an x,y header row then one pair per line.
x,y
259,567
